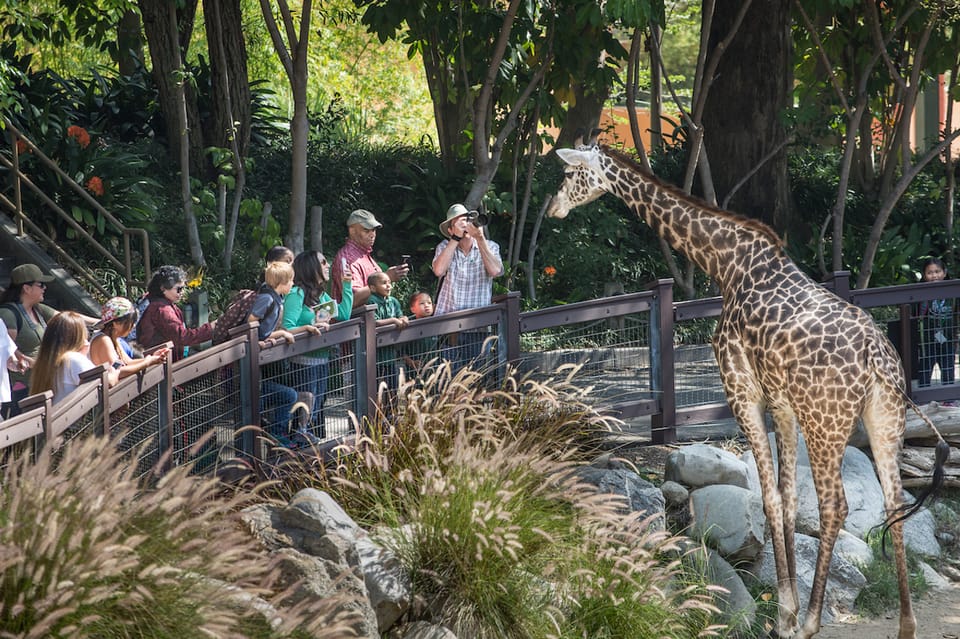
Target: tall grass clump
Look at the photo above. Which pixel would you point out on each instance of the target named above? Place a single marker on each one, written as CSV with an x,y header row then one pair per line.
x,y
882,592
87,551
476,490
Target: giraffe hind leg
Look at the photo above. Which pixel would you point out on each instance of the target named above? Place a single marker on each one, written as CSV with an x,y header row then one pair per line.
x,y
885,444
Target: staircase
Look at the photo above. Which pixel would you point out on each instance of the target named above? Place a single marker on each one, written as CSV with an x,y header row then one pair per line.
x,y
22,241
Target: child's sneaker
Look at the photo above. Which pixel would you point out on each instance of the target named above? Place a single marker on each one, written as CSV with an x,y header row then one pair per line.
x,y
305,438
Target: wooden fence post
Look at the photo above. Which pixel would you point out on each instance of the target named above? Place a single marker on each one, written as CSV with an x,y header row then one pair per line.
x,y
663,424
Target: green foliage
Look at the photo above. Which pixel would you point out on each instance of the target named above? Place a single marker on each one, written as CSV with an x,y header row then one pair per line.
x,y
881,592
913,232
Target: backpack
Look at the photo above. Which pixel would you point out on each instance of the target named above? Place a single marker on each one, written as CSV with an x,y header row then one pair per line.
x,y
141,305
236,314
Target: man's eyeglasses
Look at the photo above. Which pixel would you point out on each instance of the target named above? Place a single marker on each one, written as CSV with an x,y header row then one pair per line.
x,y
42,285
179,289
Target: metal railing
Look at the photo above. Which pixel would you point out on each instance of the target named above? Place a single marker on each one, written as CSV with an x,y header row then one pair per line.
x,y
642,356
23,222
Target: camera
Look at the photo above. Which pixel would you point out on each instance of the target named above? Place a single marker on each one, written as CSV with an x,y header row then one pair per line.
x,y
477,218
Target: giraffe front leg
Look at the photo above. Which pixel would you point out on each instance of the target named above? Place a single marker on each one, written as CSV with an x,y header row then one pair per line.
x,y
750,418
825,462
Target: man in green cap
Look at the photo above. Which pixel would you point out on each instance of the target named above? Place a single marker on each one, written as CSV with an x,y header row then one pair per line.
x,y
357,255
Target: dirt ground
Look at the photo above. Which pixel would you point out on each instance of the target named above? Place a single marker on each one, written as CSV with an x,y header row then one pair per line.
x,y
937,613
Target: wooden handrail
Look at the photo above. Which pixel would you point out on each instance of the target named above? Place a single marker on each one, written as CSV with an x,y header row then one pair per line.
x,y
16,207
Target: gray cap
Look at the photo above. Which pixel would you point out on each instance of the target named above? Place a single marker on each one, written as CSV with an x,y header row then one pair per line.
x,y
365,218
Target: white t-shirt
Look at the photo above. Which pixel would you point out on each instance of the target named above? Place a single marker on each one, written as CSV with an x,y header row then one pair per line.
x,y
68,374
7,348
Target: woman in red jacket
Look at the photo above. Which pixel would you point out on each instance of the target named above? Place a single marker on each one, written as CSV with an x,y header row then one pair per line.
x,y
163,319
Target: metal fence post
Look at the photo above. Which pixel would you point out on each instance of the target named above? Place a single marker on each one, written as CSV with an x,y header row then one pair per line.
x,y
365,365
249,386
663,424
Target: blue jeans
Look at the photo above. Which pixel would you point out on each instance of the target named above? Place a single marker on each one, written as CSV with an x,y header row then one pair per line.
x,y
279,398
312,378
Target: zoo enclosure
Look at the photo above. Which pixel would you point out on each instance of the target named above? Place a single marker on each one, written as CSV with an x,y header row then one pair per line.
x,y
645,359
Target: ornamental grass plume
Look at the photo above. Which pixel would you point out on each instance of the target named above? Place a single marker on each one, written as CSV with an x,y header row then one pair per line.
x,y
477,492
86,551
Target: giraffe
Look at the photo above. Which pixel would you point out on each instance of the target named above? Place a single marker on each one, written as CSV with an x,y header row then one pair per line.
x,y
784,345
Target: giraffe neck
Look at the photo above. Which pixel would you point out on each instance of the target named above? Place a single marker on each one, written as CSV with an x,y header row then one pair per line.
x,y
716,241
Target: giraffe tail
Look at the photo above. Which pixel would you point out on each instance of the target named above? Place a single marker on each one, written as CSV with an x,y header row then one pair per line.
x,y
941,453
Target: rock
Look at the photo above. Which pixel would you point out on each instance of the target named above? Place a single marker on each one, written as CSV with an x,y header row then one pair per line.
x,y
853,549
729,519
675,494
843,584
934,579
702,465
641,495
388,585
737,606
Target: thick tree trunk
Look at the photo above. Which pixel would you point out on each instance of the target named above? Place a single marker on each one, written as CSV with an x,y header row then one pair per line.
x,y
129,44
742,118
228,34
162,55
583,115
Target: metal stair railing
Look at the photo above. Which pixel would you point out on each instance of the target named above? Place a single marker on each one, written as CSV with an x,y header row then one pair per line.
x,y
21,180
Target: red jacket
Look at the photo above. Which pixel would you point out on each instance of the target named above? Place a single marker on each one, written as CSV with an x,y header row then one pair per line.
x,y
163,322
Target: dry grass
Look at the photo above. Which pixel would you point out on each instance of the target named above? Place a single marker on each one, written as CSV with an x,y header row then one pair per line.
x,y
475,490
86,551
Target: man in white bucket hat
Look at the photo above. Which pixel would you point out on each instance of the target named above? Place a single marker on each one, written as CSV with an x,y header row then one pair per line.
x,y
467,261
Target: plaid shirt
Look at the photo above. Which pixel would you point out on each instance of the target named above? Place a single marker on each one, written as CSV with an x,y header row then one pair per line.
x,y
466,284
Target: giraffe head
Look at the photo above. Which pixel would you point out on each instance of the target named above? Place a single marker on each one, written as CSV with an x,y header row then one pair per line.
x,y
584,179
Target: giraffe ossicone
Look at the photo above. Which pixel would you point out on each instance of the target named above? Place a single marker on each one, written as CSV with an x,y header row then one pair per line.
x,y
785,345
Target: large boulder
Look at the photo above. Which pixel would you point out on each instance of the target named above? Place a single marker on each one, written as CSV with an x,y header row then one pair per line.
x,y
843,584
640,495
729,519
702,465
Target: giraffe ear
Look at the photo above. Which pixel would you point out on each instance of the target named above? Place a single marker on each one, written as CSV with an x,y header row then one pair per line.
x,y
574,157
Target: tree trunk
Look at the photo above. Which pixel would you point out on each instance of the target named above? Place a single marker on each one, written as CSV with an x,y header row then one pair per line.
x,y
583,116
129,44
227,36
165,56
742,119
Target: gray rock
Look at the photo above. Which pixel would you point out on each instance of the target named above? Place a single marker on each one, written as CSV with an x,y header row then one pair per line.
x,y
729,519
641,495
738,609
702,465
675,494
388,586
935,580
843,584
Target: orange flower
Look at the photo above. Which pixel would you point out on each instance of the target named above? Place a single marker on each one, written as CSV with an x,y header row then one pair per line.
x,y
95,186
80,135
549,271
22,147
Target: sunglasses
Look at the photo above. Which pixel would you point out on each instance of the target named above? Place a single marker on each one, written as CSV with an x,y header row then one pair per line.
x,y
42,285
179,289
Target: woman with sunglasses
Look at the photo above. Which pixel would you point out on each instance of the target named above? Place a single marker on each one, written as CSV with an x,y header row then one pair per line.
x,y
163,319
25,316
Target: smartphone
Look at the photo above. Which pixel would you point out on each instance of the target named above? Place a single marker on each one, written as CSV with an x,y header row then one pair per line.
x,y
405,260
343,264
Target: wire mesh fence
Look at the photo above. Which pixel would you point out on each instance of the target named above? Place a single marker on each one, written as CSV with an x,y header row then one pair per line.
x,y
613,356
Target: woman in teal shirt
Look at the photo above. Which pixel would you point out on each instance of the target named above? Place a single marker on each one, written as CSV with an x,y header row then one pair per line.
x,y
311,274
